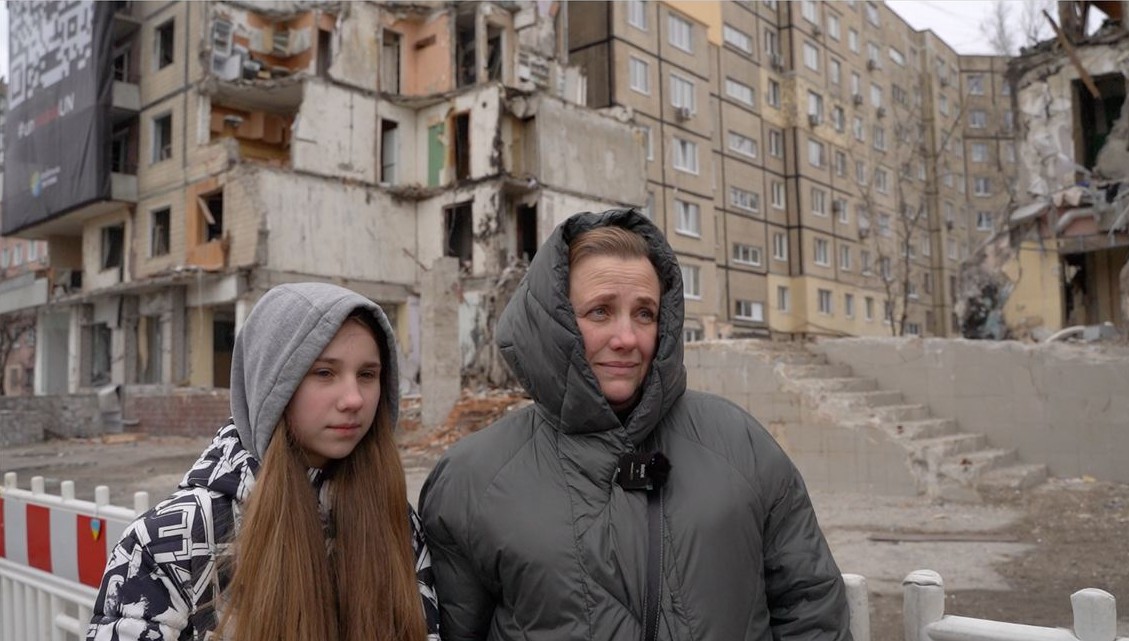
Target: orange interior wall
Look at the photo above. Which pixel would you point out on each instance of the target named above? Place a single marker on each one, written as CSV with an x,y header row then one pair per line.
x,y
426,69
207,255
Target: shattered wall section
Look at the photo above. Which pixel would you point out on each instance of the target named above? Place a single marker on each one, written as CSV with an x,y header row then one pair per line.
x,y
437,132
335,133
356,52
426,52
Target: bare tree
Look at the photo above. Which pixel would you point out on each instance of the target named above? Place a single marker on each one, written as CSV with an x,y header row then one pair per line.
x,y
1033,27
12,328
997,28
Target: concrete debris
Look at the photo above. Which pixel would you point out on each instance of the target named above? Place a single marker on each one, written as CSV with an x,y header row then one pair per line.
x,y
487,368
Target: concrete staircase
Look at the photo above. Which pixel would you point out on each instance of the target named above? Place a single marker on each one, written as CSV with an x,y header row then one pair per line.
x,y
946,464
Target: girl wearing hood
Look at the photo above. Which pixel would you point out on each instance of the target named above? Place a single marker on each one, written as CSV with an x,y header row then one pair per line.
x,y
621,506
294,523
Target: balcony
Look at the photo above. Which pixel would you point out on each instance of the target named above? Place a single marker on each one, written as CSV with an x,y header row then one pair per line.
x,y
126,100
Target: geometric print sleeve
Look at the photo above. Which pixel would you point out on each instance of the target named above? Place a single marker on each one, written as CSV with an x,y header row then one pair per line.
x,y
424,577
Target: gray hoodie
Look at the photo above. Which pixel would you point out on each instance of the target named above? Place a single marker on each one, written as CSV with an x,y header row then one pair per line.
x,y
268,365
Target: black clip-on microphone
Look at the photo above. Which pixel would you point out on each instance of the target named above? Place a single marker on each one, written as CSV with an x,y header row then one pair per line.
x,y
642,471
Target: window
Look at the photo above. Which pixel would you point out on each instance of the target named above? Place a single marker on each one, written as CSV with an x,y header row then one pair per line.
x,y
692,334
876,95
887,311
927,282
982,186
159,232
849,305
688,219
976,84
649,208
944,105
881,181
389,150
783,298
821,252
900,96
810,11
1009,121
884,225
458,240
824,301
818,201
33,251
680,35
1005,88
840,164
859,129
737,38
845,257
833,26
926,247
743,145
860,172
5,259
685,155
811,56
864,261
682,93
815,153
983,221
868,305
897,57
873,55
640,74
911,290
771,42
884,267
835,70
1009,152
853,40
637,14
856,87
113,240
879,138
774,93
979,152
691,283
977,119
779,247
162,138
840,206
951,248
18,255
163,45
740,92
815,107
913,329
648,141
779,201
872,14
749,310
775,143
746,254
746,200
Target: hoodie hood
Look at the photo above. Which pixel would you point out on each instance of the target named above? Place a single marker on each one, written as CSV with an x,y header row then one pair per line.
x,y
540,340
287,329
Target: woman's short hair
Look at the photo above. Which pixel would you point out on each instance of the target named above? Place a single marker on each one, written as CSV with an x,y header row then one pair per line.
x,y
607,241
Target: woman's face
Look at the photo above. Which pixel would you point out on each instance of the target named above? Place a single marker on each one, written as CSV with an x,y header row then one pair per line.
x,y
616,302
335,404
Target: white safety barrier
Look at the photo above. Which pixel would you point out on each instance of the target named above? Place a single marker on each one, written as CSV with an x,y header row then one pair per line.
x,y
53,551
923,608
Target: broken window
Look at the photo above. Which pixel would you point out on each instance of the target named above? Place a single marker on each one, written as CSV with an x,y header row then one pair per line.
x,y
100,340
159,232
1095,116
390,62
120,143
121,63
211,209
149,349
465,62
163,44
389,143
223,346
162,138
462,146
527,231
458,240
494,53
113,239
324,53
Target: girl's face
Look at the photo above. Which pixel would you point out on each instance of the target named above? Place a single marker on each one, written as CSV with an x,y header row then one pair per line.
x,y
335,404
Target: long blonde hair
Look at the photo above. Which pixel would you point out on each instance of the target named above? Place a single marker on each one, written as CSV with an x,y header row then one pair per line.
x,y
286,587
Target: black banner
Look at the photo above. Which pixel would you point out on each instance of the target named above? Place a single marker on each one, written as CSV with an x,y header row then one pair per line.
x,y
60,96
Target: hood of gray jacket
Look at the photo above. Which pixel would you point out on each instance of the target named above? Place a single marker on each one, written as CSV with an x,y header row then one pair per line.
x,y
541,342
284,333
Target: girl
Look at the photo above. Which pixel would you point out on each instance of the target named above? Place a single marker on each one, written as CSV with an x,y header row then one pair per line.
x,y
294,523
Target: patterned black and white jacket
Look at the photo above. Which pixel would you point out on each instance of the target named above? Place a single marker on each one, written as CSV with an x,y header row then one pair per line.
x,y
161,578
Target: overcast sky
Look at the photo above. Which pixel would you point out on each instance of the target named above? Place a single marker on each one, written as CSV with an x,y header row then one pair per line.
x,y
957,22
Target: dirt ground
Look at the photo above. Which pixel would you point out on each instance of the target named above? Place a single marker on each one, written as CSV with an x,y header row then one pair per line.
x,y
1016,558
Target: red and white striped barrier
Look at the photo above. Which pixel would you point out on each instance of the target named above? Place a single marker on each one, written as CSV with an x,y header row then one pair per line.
x,y
53,551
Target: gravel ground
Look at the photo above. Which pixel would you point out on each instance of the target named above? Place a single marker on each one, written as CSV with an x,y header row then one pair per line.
x,y
1020,557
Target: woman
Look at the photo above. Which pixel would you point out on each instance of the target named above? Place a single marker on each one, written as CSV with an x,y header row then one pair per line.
x,y
620,505
294,523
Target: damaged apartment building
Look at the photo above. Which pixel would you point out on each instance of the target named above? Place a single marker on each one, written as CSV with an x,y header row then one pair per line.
x,y
1064,261
238,145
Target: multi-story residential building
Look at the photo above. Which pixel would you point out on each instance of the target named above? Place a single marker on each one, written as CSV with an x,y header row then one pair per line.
x,y
213,150
835,198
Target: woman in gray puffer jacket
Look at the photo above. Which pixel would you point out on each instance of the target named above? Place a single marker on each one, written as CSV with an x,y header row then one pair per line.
x,y
539,525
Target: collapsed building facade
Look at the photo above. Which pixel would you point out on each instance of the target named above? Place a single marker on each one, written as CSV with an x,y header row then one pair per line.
x,y
1064,259
237,146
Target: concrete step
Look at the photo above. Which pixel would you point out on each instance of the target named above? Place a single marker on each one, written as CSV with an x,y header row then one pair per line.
x,y
844,384
793,371
921,429
863,400
970,467
797,358
949,445
902,413
1020,476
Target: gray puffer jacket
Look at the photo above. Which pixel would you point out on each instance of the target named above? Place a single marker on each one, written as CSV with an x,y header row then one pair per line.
x,y
532,539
